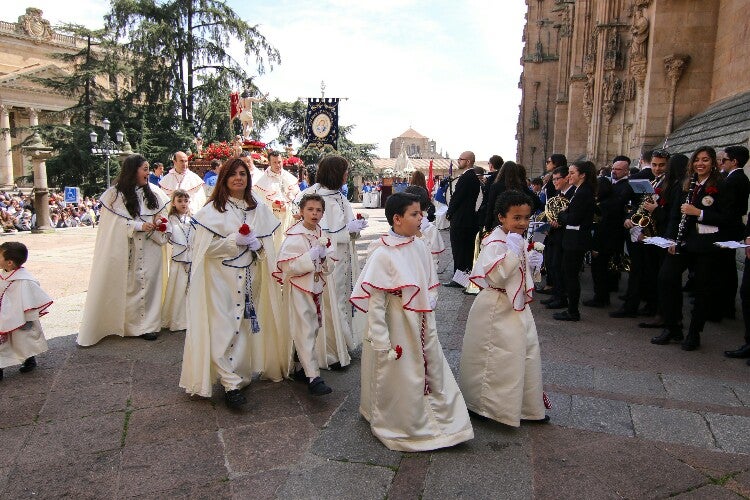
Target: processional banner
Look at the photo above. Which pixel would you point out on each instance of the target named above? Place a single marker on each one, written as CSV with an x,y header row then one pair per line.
x,y
322,122
234,105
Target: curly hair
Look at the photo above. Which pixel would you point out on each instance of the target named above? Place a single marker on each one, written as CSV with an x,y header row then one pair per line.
x,y
126,185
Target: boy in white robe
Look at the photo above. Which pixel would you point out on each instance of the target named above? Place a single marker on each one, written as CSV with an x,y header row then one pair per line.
x,y
22,303
408,393
278,188
174,310
304,268
501,371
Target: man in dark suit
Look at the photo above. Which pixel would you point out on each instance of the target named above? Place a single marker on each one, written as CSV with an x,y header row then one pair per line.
x,y
462,215
737,186
645,172
553,246
744,350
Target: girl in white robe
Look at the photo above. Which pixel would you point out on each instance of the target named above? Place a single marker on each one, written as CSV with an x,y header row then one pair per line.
x,y
408,393
174,311
311,316
129,268
339,223
234,304
500,371
22,303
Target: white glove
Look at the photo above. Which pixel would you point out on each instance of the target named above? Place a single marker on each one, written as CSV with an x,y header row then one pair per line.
x,y
424,224
433,301
535,261
635,233
515,243
356,225
329,251
138,225
317,252
250,240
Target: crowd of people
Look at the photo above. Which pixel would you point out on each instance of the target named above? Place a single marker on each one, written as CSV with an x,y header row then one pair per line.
x,y
17,212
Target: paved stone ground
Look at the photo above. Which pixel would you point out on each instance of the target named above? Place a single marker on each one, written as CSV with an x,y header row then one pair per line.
x,y
630,420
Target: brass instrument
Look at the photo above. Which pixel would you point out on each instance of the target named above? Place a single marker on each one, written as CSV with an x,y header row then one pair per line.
x,y
554,206
643,218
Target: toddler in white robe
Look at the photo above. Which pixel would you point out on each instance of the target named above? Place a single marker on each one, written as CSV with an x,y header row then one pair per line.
x,y
22,303
500,372
304,267
408,393
174,312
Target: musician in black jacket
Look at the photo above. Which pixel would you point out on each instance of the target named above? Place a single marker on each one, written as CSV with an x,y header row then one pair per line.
x,y
703,218
553,246
554,161
462,215
577,220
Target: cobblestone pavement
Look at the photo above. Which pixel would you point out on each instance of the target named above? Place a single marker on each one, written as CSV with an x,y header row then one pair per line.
x,y
630,420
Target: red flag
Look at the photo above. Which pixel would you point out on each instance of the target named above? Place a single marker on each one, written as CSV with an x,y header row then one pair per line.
x,y
430,179
235,108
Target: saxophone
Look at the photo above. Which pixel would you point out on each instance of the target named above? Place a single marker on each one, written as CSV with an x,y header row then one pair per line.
x,y
641,217
683,220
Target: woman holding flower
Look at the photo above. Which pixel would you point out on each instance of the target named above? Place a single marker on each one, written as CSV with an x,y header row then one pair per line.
x,y
128,272
233,304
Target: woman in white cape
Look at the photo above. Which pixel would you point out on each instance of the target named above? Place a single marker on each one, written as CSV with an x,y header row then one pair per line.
x,y
339,223
234,305
129,269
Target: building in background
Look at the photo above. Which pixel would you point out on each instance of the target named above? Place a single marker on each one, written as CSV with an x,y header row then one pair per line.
x,y
416,145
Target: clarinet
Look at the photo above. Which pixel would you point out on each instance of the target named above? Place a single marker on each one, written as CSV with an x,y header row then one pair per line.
x,y
683,220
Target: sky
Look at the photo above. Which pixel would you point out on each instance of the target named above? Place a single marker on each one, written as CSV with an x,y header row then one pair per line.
x,y
447,69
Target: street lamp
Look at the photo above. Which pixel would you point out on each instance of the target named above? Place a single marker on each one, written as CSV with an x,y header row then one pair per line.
x,y
107,148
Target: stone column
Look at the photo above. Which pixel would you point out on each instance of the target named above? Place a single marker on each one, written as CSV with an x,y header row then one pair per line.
x,y
674,65
39,154
6,156
33,117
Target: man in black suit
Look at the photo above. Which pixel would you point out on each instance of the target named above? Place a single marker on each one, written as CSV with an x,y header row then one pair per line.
x,y
744,350
462,215
645,162
737,186
553,246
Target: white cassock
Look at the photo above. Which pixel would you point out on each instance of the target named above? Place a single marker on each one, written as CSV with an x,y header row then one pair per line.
x,y
174,310
501,370
234,304
187,181
128,271
278,191
435,244
338,213
412,403
310,307
22,303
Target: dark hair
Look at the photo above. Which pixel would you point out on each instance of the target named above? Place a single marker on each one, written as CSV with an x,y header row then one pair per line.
x,y
558,160
424,197
418,179
659,153
215,163
177,193
561,171
510,198
273,153
588,169
397,203
676,170
157,165
15,252
311,197
713,176
647,154
510,176
537,181
126,184
621,158
739,153
220,194
331,171
496,161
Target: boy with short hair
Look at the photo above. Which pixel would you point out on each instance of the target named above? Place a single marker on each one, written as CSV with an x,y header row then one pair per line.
x,y
409,395
22,302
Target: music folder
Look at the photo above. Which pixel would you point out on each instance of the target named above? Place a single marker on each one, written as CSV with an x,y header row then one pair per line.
x,y
641,186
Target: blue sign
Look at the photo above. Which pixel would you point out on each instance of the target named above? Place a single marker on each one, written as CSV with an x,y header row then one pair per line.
x,y
72,195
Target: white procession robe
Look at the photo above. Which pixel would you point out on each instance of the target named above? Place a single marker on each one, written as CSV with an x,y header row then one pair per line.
x,y
128,271
277,191
501,371
433,240
412,403
338,213
311,314
187,181
220,342
174,310
21,301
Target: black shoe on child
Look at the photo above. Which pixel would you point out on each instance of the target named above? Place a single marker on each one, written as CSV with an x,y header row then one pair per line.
x,y
234,399
318,387
28,365
544,420
149,336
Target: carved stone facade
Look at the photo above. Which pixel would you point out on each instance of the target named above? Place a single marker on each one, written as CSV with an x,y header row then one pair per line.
x,y
624,74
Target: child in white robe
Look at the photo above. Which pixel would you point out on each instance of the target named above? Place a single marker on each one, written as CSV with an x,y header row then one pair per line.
x,y
304,268
428,232
174,312
22,303
234,304
500,371
408,393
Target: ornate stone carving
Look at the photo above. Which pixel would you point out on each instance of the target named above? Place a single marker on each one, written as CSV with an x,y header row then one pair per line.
x,y
674,64
639,30
629,89
612,95
613,55
566,28
588,98
589,61
33,25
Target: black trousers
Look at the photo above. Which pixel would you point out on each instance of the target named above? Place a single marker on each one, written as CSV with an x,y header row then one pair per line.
x,y
601,276
572,260
462,246
670,288
653,259
726,298
635,276
745,298
555,270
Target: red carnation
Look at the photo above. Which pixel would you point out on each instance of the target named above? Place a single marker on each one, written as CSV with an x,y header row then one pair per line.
x,y
163,220
711,190
657,191
162,227
530,247
360,217
244,229
399,351
277,202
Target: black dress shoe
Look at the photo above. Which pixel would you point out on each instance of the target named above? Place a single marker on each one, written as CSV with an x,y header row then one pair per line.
x,y
544,420
566,316
596,303
742,352
557,304
692,342
149,336
453,284
234,399
28,365
667,336
650,325
623,313
318,387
